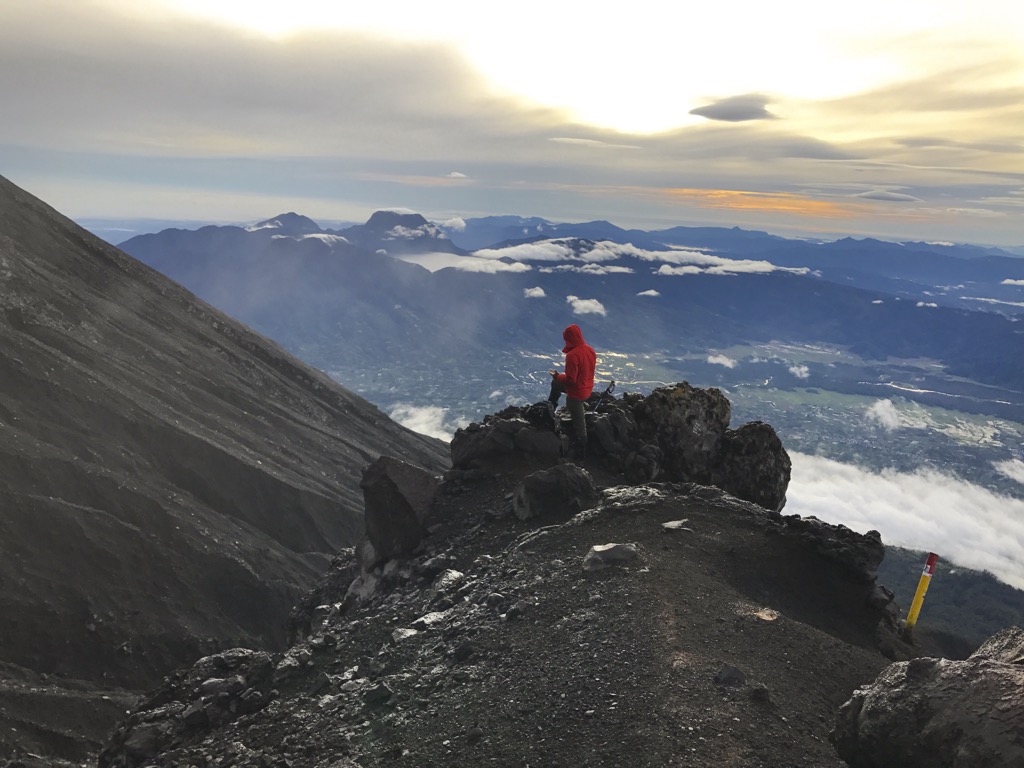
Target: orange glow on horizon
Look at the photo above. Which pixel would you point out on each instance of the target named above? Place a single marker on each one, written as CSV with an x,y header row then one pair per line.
x,y
772,202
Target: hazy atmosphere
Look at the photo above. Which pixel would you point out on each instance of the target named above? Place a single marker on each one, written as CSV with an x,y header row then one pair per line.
x,y
895,120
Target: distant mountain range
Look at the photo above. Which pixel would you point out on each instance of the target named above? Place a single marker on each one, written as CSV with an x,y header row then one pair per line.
x,y
401,291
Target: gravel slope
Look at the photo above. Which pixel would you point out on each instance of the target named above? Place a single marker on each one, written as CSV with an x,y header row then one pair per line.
x,y
496,647
170,482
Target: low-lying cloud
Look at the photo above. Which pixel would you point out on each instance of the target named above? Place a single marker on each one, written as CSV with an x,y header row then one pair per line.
x,y
586,306
650,292
673,261
544,250
694,263
428,420
800,371
590,269
884,413
1012,468
534,293
665,269
1010,281
440,260
491,267
961,522
725,360
993,301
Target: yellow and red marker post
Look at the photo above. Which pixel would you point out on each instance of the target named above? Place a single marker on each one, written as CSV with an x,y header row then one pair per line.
x,y
922,588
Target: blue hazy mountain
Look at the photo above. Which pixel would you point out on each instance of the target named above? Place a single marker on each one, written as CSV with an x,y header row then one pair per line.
x,y
335,302
398,232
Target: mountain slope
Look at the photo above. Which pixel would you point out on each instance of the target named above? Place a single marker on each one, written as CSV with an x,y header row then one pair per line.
x,y
169,480
728,641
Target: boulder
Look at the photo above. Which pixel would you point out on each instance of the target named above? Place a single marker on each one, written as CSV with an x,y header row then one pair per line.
x,y
398,497
753,465
605,555
643,465
1006,647
560,492
940,713
513,431
687,424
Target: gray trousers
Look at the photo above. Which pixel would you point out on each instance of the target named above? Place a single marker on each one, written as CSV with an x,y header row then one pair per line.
x,y
579,421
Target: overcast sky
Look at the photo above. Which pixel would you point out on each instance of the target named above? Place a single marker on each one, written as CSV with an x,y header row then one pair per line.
x,y
902,120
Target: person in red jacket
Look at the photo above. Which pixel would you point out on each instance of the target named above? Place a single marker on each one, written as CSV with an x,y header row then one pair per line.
x,y
577,382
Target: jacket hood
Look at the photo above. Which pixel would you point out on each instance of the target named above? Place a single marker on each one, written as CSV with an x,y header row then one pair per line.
x,y
573,337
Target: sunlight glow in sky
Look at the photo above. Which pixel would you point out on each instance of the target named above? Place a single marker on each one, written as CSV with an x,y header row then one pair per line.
x,y
896,120
642,66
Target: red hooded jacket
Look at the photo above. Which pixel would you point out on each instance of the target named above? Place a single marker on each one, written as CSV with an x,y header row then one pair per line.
x,y
580,362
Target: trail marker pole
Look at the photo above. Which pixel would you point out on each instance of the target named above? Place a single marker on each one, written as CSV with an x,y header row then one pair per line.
x,y
922,588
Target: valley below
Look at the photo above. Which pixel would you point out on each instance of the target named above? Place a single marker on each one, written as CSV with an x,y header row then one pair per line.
x,y
932,461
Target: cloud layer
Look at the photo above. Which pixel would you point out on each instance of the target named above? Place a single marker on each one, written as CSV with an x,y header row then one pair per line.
x,y
428,420
960,521
589,258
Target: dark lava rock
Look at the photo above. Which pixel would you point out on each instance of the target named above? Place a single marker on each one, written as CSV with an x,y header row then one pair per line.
x,y
500,437
398,498
560,492
677,434
602,556
687,424
729,676
938,713
753,465
858,553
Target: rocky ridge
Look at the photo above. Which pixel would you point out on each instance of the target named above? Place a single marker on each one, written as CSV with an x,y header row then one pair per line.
x,y
649,623
676,433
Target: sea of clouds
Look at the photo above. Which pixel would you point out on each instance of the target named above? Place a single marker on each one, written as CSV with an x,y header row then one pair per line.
x,y
564,255
960,521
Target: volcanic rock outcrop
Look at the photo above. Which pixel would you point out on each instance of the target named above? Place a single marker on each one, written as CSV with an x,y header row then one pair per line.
x,y
170,482
397,497
676,434
547,615
940,713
